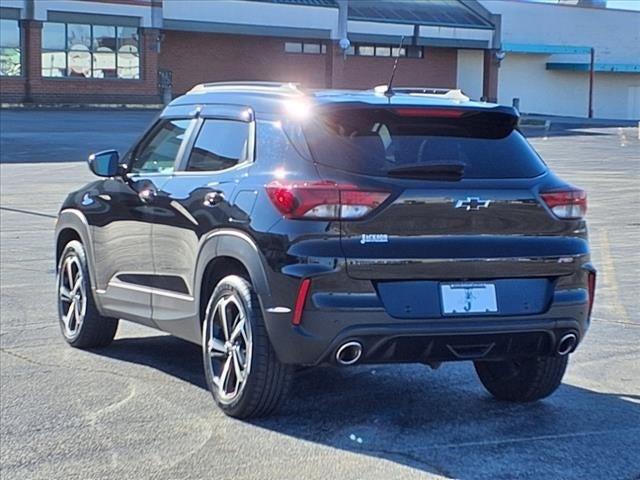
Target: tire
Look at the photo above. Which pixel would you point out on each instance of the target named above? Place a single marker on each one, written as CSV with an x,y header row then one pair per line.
x,y
81,324
260,382
524,380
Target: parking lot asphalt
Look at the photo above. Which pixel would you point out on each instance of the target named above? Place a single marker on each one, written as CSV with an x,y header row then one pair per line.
x,y
140,408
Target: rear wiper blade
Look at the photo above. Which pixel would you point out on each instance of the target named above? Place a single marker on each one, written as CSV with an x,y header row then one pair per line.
x,y
444,171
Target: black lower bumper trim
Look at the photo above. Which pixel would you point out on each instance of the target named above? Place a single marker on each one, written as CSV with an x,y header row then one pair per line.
x,y
443,348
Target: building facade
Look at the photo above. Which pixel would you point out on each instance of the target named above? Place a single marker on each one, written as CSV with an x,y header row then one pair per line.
x,y
111,51
144,51
547,52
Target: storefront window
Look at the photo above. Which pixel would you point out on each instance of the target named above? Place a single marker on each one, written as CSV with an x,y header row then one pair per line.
x,y
10,60
90,51
305,47
386,51
128,53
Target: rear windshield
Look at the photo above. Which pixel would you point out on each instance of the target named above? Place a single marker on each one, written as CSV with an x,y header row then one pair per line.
x,y
384,141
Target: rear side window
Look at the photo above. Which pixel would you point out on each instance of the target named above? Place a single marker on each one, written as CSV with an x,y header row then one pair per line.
x,y
220,144
379,141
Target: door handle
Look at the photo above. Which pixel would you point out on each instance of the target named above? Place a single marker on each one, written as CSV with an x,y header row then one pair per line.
x,y
212,199
147,195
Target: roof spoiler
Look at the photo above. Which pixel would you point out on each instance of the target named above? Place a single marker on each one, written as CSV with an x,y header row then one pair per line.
x,y
213,86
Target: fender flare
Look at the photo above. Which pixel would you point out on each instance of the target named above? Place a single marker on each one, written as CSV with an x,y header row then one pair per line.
x,y
74,219
239,246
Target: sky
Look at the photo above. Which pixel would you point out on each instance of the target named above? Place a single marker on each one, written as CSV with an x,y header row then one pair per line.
x,y
621,4
624,4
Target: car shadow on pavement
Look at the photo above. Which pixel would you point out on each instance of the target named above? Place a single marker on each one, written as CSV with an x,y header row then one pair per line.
x,y
171,355
440,422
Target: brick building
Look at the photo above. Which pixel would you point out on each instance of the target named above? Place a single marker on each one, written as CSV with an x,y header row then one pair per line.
x,y
128,51
115,51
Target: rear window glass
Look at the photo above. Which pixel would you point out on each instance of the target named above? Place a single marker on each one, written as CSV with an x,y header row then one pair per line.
x,y
379,141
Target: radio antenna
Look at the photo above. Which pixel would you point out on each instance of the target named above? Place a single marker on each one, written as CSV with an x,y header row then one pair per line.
x,y
389,91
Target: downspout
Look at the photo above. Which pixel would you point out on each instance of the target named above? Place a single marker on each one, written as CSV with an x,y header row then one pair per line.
x,y
592,55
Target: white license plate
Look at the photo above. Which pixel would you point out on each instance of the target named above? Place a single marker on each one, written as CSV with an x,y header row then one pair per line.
x,y
465,298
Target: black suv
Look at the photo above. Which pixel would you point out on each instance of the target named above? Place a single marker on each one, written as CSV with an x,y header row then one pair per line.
x,y
278,228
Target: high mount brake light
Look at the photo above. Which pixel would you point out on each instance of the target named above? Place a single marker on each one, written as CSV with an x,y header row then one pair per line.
x,y
568,204
323,200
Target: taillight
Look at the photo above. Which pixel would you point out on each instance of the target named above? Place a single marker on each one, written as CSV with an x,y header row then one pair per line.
x,y
323,200
591,286
566,203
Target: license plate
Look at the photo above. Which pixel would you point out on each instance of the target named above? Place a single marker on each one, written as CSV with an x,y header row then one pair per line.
x,y
467,298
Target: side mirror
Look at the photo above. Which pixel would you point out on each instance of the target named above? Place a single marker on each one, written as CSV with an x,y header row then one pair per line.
x,y
105,163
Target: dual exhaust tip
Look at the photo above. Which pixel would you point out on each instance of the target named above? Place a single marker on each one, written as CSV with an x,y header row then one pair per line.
x,y
350,353
567,344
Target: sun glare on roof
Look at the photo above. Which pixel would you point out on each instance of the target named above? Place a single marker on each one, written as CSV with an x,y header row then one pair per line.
x,y
298,109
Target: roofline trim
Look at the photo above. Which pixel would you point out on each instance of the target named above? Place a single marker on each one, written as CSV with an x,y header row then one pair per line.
x,y
247,29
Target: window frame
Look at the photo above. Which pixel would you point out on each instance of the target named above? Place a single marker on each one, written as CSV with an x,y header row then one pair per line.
x,y
92,51
354,50
20,48
132,155
181,168
322,47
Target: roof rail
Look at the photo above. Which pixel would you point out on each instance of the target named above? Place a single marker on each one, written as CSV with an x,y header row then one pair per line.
x,y
448,93
202,87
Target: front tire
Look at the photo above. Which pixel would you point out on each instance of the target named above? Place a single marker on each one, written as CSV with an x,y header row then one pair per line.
x,y
81,324
243,373
522,380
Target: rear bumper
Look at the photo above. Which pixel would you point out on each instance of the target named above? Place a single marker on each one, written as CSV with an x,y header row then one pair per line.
x,y
386,339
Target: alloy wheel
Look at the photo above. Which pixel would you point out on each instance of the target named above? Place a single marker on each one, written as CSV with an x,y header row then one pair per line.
x,y
229,347
72,296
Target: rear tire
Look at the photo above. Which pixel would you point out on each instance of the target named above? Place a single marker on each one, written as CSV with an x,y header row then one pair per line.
x,y
242,370
522,380
81,324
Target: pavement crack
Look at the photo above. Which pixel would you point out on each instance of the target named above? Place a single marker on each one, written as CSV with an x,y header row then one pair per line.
x,y
532,439
74,367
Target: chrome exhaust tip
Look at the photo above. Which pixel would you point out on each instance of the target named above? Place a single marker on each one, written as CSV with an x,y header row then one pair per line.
x,y
349,353
567,344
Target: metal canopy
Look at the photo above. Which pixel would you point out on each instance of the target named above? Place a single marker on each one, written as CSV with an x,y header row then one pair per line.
x,y
448,13
441,13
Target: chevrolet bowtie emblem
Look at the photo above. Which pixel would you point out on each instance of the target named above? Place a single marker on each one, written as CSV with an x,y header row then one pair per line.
x,y
472,203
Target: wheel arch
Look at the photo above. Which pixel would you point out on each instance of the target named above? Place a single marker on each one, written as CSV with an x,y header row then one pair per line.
x,y
73,225
224,253
66,235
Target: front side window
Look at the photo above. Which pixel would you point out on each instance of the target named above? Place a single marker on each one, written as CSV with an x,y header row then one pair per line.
x,y
90,51
10,59
221,144
157,153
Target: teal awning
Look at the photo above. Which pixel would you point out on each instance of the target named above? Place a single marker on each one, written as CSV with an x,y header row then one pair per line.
x,y
598,67
544,49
